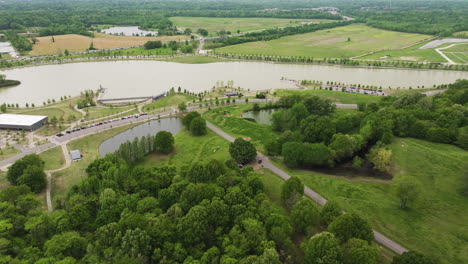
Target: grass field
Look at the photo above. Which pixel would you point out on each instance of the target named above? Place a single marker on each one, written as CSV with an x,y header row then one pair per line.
x,y
196,59
7,152
75,43
171,100
412,53
100,112
190,149
215,24
53,158
435,224
331,43
336,97
61,110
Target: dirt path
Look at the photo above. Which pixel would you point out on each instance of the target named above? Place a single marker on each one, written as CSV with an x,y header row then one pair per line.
x,y
380,238
67,157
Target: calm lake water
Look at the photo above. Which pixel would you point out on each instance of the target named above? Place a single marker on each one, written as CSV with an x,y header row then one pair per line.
x,y
146,78
173,125
128,31
262,116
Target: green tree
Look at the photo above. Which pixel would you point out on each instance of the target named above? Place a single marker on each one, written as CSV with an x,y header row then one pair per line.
x,y
198,126
34,177
411,257
305,215
292,191
322,248
17,169
202,32
357,251
182,107
349,226
3,108
318,129
381,157
407,190
330,211
69,244
164,142
242,151
188,119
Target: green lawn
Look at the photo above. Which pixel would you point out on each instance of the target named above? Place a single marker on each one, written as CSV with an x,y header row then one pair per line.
x,y
215,24
336,97
435,224
412,53
171,100
190,149
7,152
458,48
330,43
196,59
100,112
53,158
229,121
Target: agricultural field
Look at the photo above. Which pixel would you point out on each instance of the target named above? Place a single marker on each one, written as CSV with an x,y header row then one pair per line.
x,y
216,24
458,53
75,43
409,54
335,97
341,42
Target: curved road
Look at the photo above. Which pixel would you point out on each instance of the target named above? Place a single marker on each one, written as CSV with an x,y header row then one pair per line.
x,y
380,238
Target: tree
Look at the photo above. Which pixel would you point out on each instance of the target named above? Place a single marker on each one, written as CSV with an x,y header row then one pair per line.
x,y
318,129
17,169
164,142
330,211
407,190
3,108
198,126
255,107
91,46
188,31
34,177
357,251
305,215
152,45
182,107
202,32
188,119
381,157
66,244
349,226
242,151
322,248
2,77
292,191
411,257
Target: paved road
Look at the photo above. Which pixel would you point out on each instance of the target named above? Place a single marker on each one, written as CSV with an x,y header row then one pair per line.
x,y
380,238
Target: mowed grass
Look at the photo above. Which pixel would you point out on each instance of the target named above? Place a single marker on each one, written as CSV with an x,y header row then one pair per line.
x,y
171,100
190,149
196,59
215,24
100,112
336,97
7,152
61,110
75,43
435,224
409,54
330,43
63,180
53,158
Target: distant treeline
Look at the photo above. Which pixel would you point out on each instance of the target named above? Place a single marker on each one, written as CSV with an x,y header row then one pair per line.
x,y
304,14
19,42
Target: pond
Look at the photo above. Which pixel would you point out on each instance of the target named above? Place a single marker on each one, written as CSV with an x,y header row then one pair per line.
x,y
173,125
145,78
261,117
128,31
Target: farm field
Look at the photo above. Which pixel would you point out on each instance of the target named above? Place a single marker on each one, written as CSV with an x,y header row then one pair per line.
x,y
336,97
75,43
434,225
331,43
215,24
409,54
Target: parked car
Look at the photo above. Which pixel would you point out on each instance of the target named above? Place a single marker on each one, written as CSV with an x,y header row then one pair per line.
x,y
59,135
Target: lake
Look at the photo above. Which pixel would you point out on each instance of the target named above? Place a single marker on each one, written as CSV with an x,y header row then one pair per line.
x,y
128,31
173,125
146,78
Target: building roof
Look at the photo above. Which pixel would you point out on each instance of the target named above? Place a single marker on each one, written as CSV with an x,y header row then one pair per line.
x,y
20,120
75,154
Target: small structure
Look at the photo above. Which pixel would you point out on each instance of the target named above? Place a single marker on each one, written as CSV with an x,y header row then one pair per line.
x,y
231,94
22,122
75,154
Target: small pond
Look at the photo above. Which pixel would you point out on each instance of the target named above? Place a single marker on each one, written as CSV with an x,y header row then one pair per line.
x,y
128,31
173,125
262,116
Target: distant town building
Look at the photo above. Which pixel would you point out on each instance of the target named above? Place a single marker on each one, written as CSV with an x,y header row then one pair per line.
x,y
22,122
75,155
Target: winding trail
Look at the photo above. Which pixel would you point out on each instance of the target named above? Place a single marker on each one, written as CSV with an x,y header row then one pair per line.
x,y
379,237
67,157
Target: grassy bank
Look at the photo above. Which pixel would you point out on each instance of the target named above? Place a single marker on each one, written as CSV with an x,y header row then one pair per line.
x,y
336,97
171,100
196,59
8,83
340,42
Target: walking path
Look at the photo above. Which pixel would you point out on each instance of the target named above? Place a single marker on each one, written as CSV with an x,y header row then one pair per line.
x,y
66,154
380,238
